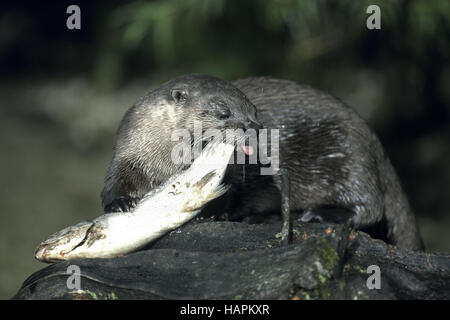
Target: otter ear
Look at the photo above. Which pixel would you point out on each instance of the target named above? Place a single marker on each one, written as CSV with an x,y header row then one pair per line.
x,y
179,95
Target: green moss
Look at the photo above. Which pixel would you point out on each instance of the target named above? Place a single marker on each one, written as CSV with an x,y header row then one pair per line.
x,y
307,296
304,295
321,278
328,253
359,269
325,271
100,295
112,296
92,294
324,292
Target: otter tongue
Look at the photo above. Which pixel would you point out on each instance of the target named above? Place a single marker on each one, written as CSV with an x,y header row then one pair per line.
x,y
248,150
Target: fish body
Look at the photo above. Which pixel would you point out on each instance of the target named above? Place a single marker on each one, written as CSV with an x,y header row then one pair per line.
x,y
163,209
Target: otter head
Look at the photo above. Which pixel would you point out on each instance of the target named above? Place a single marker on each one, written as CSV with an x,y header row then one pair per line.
x,y
145,139
206,104
211,100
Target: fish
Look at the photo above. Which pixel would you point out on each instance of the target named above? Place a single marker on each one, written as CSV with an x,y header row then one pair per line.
x,y
165,208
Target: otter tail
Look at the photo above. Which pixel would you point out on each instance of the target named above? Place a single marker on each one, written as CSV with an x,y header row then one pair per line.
x,y
401,223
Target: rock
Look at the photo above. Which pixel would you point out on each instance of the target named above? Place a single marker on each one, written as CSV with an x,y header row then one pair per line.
x,y
231,260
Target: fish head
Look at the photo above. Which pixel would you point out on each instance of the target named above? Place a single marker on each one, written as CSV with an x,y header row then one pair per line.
x,y
60,244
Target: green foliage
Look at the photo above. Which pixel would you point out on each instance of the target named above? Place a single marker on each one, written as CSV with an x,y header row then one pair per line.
x,y
234,38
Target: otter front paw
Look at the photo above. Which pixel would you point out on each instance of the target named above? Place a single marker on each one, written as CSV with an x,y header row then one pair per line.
x,y
121,204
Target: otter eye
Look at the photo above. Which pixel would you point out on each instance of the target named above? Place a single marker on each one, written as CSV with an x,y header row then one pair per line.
x,y
224,114
179,95
219,109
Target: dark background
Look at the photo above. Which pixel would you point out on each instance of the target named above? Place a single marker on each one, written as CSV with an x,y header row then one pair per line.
x,y
63,92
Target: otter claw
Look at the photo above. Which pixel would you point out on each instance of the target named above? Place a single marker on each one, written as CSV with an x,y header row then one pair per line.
x,y
121,204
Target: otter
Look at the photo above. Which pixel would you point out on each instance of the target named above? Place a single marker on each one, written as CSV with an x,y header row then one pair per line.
x,y
143,143
335,163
